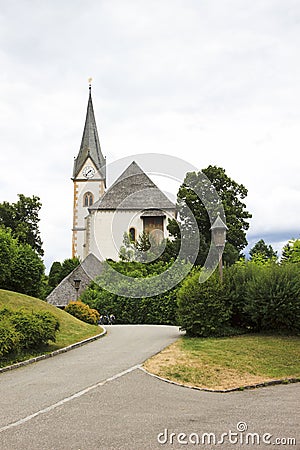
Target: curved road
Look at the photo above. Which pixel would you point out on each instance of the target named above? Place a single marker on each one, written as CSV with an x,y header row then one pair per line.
x,y
96,397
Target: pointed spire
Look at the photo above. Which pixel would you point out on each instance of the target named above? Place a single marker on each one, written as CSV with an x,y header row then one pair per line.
x,y
90,144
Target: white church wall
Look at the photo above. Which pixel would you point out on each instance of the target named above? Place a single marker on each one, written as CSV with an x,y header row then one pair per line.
x,y
95,187
81,211
106,230
83,188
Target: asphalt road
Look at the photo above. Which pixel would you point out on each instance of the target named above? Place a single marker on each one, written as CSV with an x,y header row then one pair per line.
x,y
96,397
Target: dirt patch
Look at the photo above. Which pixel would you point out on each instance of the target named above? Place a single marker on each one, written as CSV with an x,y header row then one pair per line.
x,y
174,364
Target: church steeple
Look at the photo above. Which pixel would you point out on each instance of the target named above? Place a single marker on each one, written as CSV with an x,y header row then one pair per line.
x,y
90,144
89,179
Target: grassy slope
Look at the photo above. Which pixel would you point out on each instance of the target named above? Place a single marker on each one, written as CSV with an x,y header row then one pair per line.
x,y
71,329
225,363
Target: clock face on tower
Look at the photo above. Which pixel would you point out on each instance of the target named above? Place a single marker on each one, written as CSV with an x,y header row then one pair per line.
x,y
88,172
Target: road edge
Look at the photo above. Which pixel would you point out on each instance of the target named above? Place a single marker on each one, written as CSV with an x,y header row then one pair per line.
x,y
284,381
56,352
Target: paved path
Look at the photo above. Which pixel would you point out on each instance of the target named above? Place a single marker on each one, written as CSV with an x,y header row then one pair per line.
x,y
95,397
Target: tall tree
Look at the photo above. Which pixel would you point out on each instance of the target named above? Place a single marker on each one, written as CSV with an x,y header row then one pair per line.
x,y
127,250
54,274
291,251
21,268
27,271
8,250
22,218
197,187
138,250
68,265
59,271
263,250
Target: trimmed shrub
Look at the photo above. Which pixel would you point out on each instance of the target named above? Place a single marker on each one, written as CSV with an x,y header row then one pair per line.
x,y
236,278
35,329
83,312
272,298
202,309
21,330
9,337
264,296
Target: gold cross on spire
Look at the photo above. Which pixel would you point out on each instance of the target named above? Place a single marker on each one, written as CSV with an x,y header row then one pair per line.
x,y
90,83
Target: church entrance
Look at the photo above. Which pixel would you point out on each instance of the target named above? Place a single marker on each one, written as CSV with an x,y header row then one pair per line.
x,y
153,223
154,226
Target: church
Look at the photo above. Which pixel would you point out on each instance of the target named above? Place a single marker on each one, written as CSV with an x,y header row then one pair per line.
x,y
133,204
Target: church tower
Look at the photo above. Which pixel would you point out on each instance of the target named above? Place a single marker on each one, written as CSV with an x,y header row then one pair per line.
x,y
89,179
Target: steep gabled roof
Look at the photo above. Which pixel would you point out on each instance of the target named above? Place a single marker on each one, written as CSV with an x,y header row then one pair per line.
x,y
133,190
86,272
90,144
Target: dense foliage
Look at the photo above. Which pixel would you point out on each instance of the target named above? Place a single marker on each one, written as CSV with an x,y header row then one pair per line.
x,y
9,338
21,330
261,249
27,271
157,309
255,296
21,268
8,250
202,308
272,298
59,271
291,251
204,185
83,312
144,249
22,218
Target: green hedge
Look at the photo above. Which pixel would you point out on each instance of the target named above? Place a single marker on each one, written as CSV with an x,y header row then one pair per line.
x,y
202,308
254,296
272,299
258,297
159,309
236,279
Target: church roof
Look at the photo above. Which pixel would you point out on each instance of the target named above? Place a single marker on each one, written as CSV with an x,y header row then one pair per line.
x,y
90,144
87,271
133,190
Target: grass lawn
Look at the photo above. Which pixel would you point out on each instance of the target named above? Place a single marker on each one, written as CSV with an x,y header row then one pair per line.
x,y
71,329
226,363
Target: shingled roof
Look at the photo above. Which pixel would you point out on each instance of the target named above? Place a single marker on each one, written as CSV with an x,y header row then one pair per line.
x,y
90,144
86,272
133,190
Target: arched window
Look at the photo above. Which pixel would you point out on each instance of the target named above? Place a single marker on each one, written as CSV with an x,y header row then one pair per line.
x,y
88,199
132,234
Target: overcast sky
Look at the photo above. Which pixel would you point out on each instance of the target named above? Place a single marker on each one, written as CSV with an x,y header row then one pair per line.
x,y
210,81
